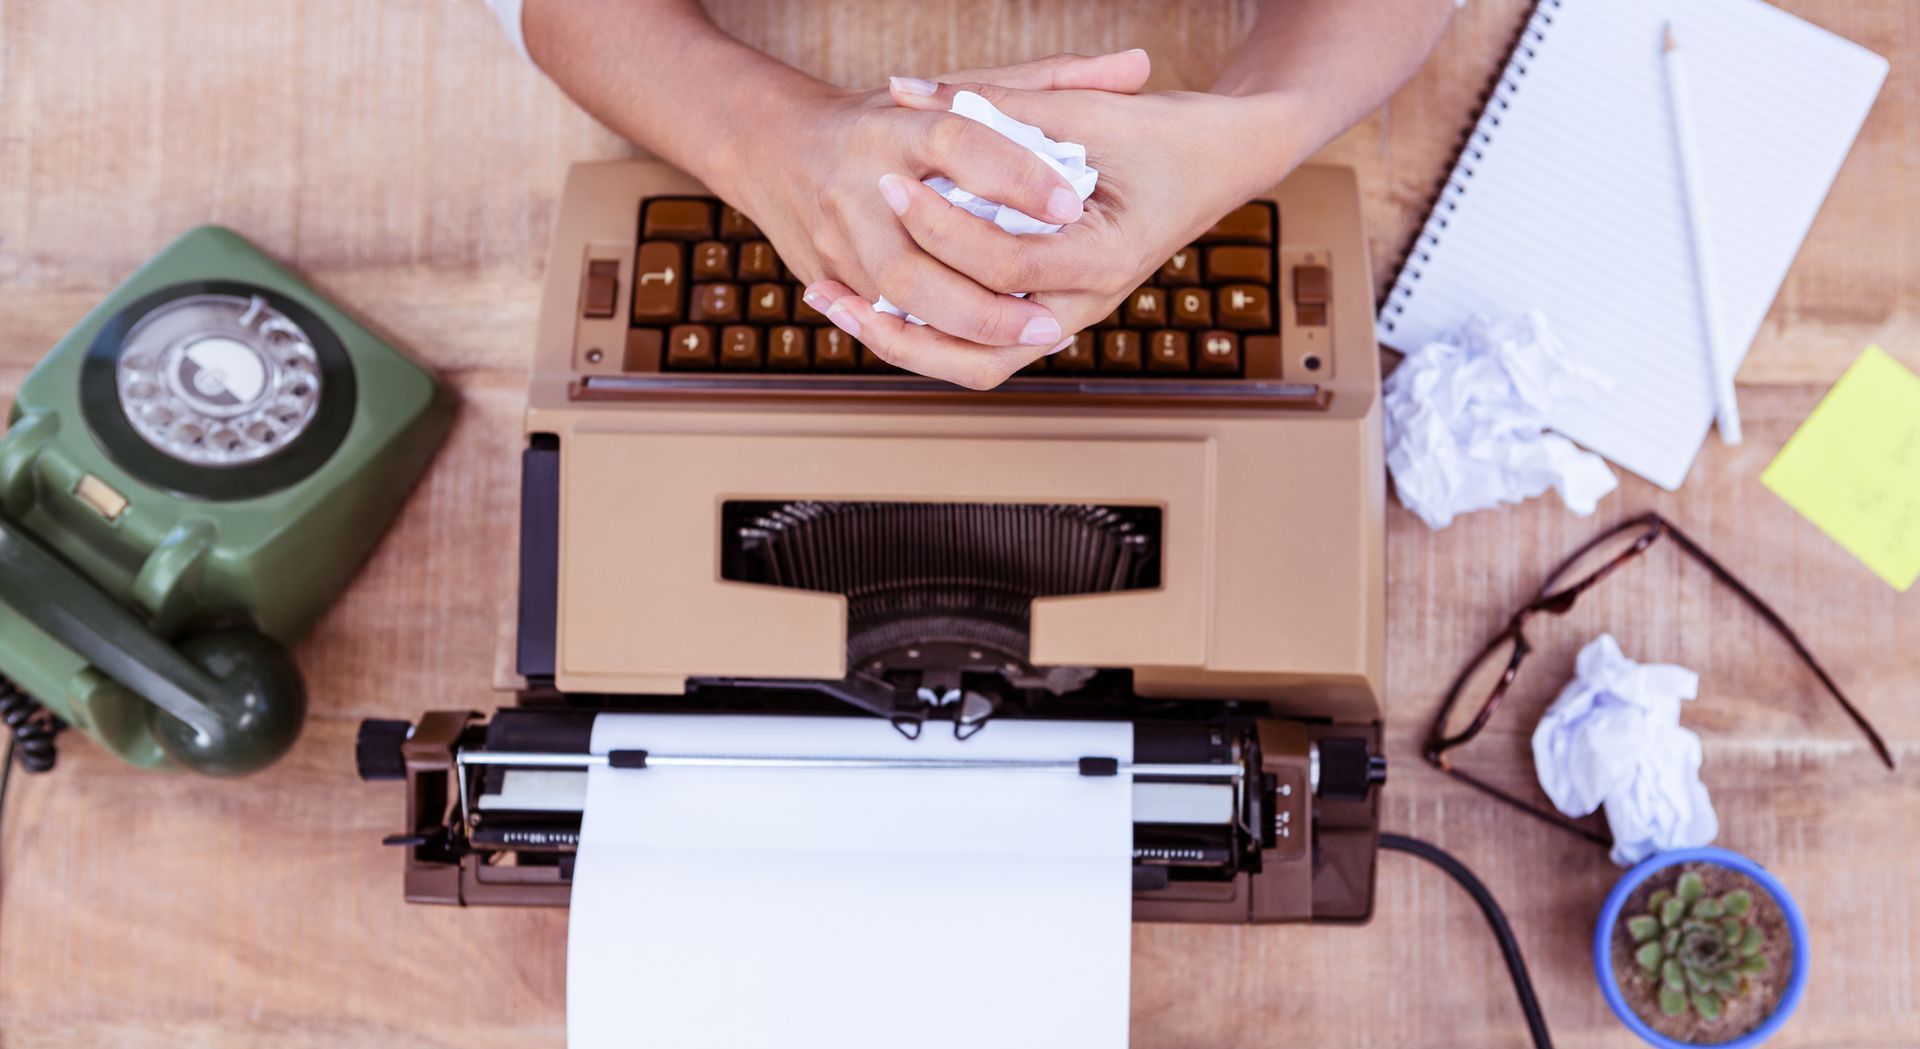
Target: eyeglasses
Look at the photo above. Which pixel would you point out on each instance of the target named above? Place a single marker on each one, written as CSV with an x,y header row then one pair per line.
x,y
1492,672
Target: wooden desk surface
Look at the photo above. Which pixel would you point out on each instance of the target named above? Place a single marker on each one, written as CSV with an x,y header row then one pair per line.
x,y
400,155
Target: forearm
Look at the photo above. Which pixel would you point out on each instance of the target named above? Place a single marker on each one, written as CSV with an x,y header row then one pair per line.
x,y
1337,59
660,73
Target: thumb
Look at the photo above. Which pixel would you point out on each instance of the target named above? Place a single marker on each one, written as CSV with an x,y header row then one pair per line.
x,y
1124,72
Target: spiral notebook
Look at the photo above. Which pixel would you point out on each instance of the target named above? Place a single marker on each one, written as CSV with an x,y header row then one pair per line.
x,y
1567,198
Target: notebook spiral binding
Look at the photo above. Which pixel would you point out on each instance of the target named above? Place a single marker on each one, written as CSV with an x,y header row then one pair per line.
x,y
1494,101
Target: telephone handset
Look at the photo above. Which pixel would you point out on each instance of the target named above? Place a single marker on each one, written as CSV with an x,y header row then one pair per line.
x,y
186,482
225,702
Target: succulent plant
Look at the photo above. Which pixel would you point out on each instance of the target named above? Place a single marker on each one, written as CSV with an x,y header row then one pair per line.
x,y
1700,947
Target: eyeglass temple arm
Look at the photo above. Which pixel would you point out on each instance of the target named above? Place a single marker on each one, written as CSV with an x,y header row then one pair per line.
x,y
1786,632
1552,819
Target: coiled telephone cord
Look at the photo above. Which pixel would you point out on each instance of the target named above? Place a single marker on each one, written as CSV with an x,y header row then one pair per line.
x,y
31,729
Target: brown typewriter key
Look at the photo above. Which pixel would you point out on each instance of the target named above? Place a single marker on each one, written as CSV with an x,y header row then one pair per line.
x,y
787,347
740,347
735,225
758,262
677,220
1192,307
715,304
690,346
1112,320
833,350
803,313
643,350
873,362
1147,308
1167,351
1248,307
767,304
1120,351
1079,355
1250,223
1239,265
712,260
1219,353
1260,357
660,273
1183,268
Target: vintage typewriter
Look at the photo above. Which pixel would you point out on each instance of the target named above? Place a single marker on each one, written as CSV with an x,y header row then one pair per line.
x,y
727,505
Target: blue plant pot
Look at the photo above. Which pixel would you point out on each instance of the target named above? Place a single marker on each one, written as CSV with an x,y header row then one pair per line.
x,y
1617,900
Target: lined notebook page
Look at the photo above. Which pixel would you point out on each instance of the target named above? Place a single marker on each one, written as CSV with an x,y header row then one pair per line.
x,y
1568,199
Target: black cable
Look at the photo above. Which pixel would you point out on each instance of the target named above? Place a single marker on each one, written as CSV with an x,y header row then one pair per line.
x,y
1502,932
6,776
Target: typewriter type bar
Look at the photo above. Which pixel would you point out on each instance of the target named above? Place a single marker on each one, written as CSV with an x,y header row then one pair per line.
x,y
1235,819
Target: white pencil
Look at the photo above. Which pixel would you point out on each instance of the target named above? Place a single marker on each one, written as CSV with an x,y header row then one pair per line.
x,y
1727,410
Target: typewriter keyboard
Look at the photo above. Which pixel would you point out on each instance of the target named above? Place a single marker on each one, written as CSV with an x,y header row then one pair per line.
x,y
710,295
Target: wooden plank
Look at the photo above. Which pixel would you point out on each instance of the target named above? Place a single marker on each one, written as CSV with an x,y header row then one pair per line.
x,y
364,143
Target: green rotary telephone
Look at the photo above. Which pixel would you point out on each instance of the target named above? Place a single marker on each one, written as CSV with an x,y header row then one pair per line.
x,y
186,482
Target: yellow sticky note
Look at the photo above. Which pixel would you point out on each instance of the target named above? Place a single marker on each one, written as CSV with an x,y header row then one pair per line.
x,y
1853,468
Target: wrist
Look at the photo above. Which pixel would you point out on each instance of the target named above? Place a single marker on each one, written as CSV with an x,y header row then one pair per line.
x,y
789,115
1271,136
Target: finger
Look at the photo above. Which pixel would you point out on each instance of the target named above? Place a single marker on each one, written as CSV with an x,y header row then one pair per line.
x,y
1079,310
916,347
924,287
992,257
1122,71
991,166
1055,112
1007,98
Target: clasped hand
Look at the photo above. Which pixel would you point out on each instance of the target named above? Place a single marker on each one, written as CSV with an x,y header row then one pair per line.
x,y
857,223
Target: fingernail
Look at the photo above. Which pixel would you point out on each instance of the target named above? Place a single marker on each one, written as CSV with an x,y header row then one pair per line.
x,y
912,85
1040,331
1134,51
842,318
1064,343
814,299
1063,206
894,188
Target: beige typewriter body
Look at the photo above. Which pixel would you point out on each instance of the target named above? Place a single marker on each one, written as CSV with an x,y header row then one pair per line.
x,y
1272,562
727,506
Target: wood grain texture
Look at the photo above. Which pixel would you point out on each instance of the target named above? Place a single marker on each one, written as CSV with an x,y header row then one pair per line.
x,y
398,153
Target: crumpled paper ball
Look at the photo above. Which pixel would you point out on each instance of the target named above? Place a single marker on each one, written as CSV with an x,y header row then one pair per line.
x,y
1466,422
1613,740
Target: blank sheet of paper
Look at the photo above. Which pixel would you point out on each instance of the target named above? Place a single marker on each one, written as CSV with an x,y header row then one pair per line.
x,y
851,908
1853,468
1568,200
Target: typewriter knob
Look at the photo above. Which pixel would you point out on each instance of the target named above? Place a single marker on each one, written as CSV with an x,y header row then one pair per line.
x,y
1348,768
376,750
